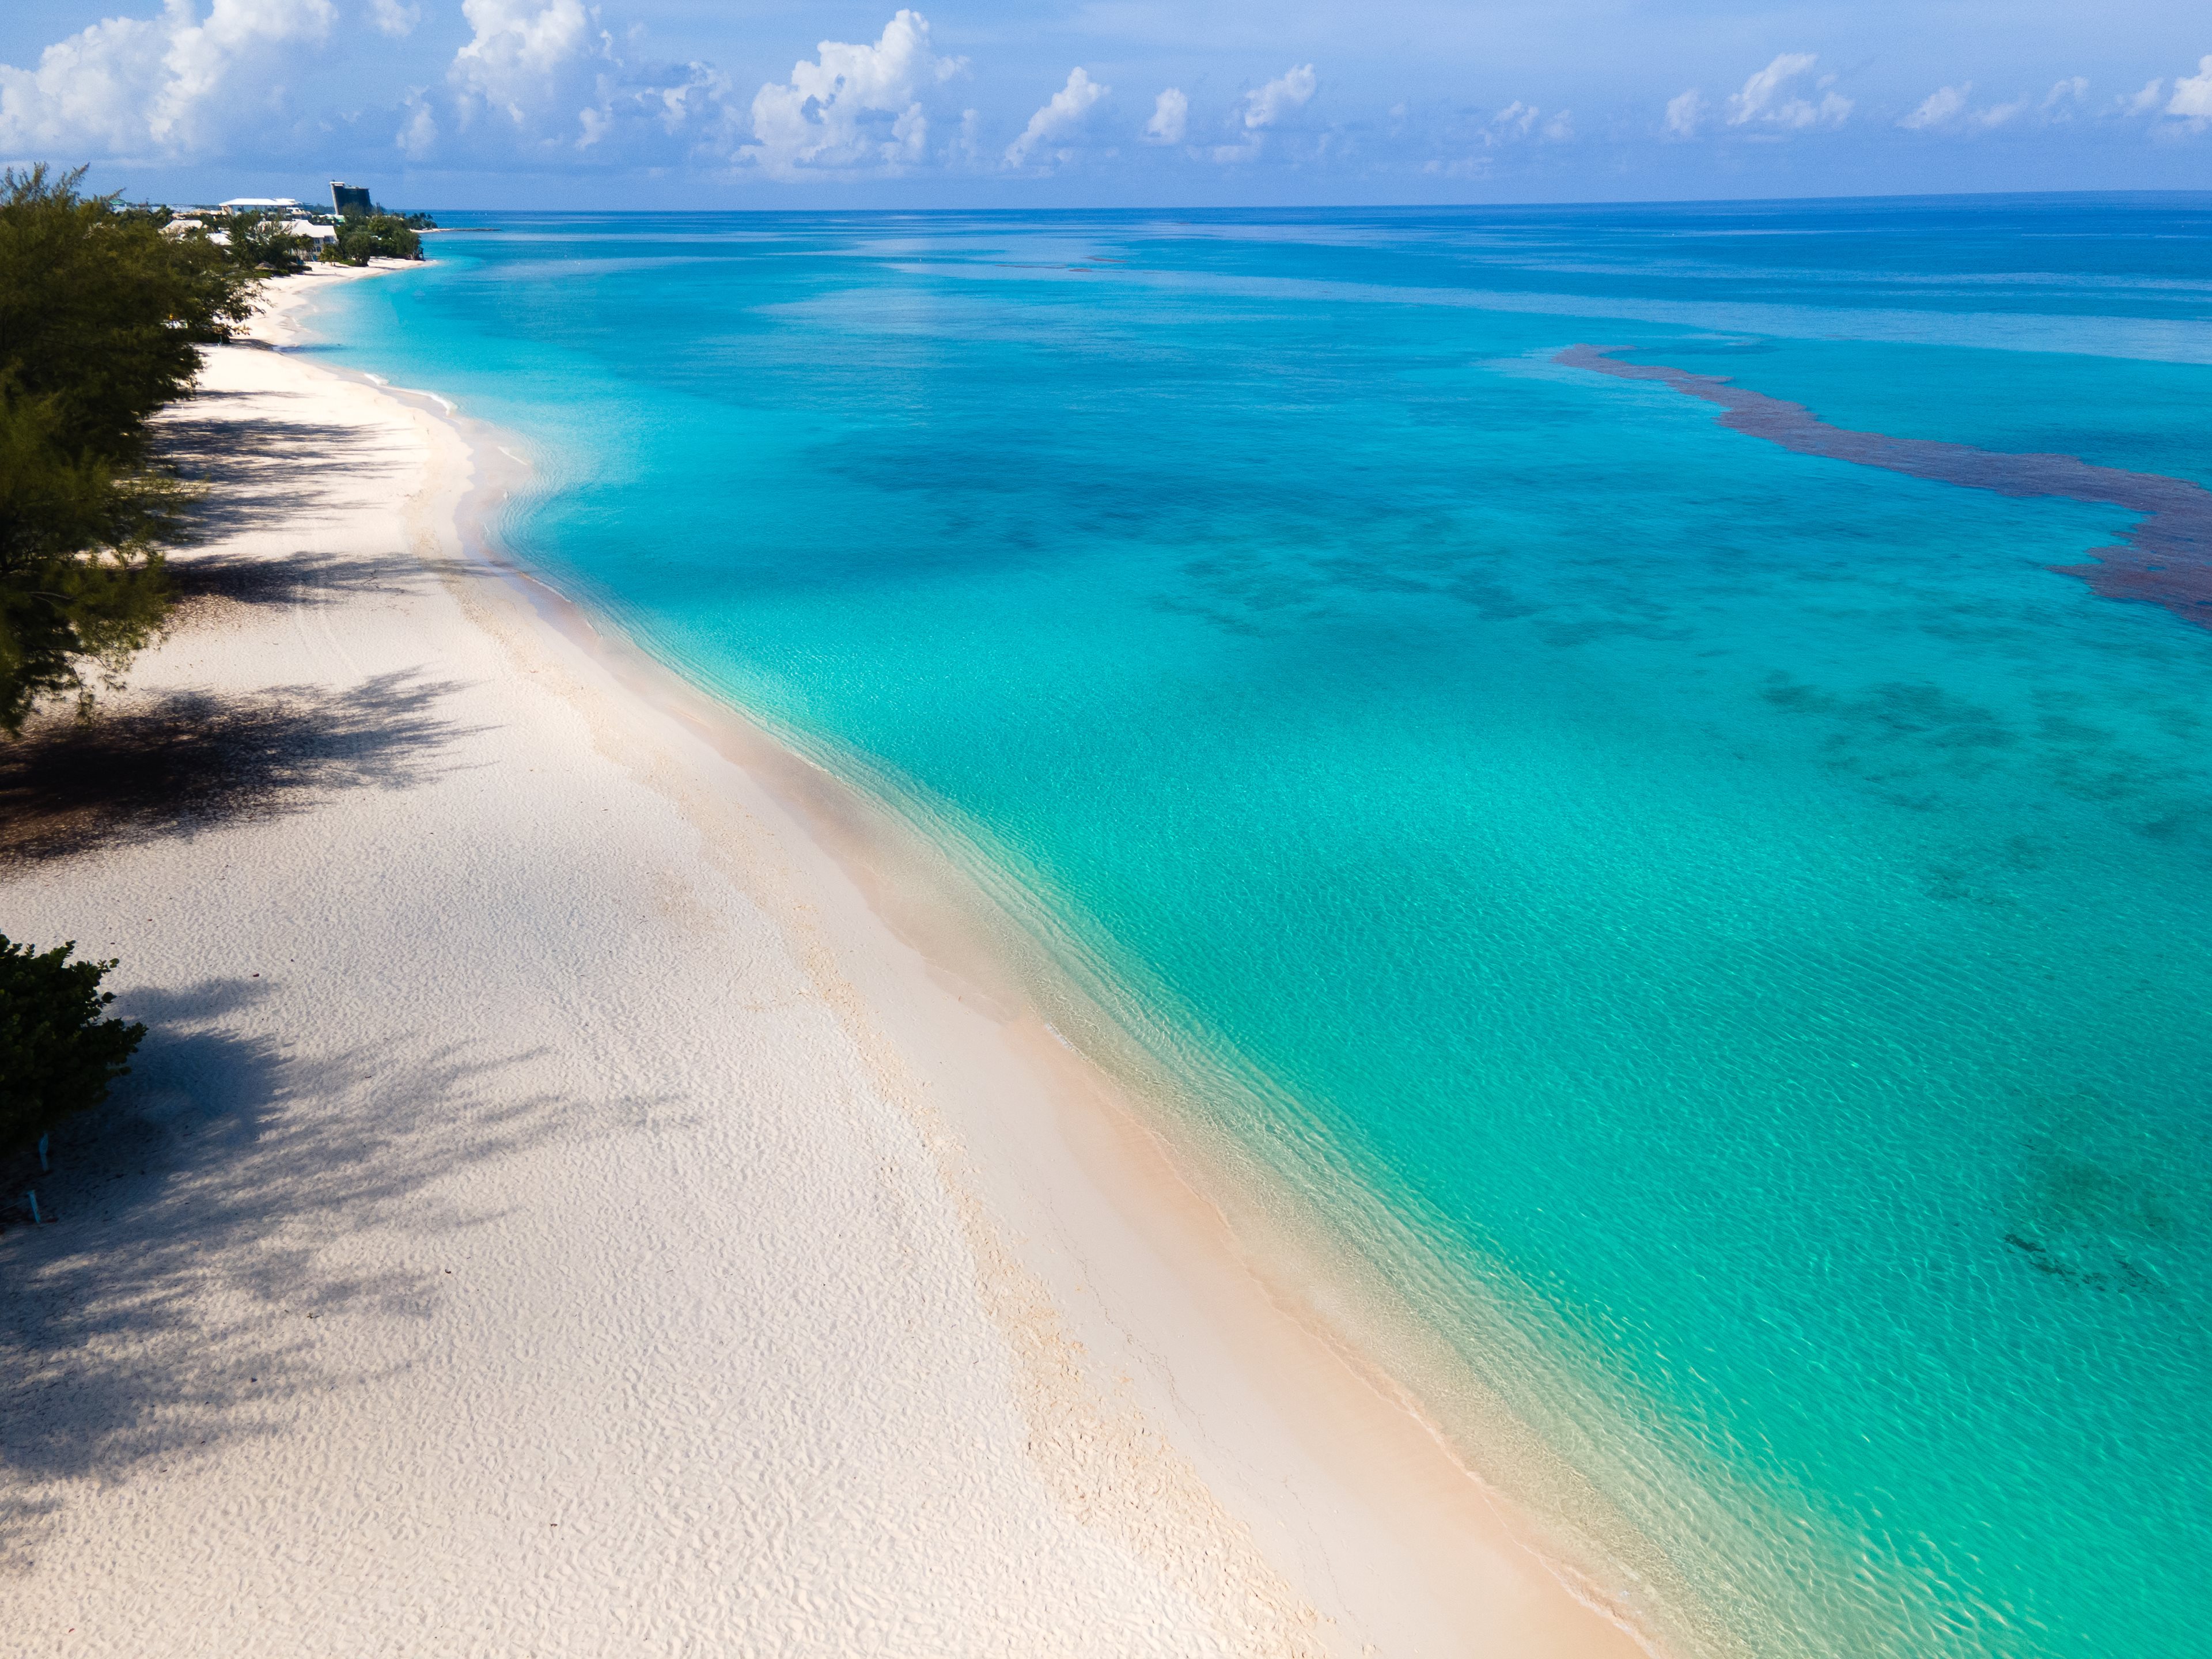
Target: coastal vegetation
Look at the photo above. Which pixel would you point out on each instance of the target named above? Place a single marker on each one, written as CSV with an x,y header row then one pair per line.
x,y
104,315
261,240
368,231
365,236
59,1049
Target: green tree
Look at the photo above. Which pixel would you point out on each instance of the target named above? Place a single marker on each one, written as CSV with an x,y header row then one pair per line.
x,y
58,1052
260,243
104,318
103,313
82,586
363,237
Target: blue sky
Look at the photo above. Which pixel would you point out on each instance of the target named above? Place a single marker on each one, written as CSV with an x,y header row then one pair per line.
x,y
545,103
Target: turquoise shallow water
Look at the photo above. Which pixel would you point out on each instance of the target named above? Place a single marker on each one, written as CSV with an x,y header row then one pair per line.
x,y
1722,931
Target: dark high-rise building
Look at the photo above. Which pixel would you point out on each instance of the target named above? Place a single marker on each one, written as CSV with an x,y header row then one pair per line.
x,y
348,198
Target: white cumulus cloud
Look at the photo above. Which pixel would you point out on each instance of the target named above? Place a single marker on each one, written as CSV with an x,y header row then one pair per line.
x,y
393,18
699,93
1761,91
1518,120
2146,101
2192,95
1171,117
550,69
418,134
516,58
1769,99
1265,106
1065,112
1949,108
2074,89
853,107
1278,97
1943,105
165,84
1686,113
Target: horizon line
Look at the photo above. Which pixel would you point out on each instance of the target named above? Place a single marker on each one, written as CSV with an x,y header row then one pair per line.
x,y
2204,195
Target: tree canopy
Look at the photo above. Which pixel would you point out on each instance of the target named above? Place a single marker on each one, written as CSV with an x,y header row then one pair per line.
x,y
103,320
363,237
265,242
104,314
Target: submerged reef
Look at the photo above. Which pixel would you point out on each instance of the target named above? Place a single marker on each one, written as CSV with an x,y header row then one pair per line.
x,y
2166,559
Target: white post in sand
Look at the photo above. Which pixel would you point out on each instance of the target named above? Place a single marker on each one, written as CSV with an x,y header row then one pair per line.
x,y
34,1197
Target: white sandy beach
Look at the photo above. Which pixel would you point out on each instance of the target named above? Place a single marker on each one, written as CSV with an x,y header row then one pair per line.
x,y
555,1213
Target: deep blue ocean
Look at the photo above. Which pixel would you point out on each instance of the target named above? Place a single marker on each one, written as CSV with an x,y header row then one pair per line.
x,y
1725,934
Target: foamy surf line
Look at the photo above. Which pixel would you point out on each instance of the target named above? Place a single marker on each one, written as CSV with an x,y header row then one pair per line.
x,y
2166,560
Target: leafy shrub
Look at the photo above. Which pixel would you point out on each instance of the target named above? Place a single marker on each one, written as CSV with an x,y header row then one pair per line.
x,y
58,1054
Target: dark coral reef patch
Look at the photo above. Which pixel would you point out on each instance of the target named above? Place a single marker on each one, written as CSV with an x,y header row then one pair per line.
x,y
2166,559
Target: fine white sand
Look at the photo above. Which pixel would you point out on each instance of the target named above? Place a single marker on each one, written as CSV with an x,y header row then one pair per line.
x,y
555,1213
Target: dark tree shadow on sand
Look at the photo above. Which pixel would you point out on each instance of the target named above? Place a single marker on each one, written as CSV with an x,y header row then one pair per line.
x,y
265,474
114,1358
206,586
262,470
170,1303
144,767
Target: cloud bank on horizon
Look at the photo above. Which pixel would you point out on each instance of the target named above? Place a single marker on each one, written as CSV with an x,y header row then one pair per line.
x,y
597,104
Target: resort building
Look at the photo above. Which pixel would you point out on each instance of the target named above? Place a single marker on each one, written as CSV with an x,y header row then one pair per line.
x,y
349,198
